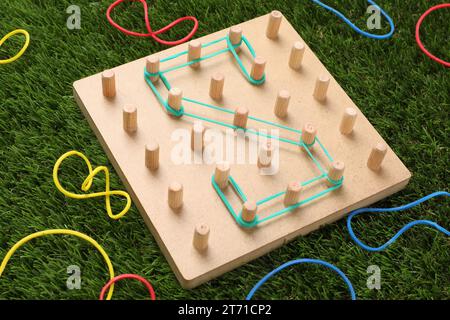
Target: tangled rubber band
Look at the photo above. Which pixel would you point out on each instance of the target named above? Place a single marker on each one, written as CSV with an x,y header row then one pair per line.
x,y
300,261
402,230
61,232
128,276
354,27
88,183
151,33
419,42
24,48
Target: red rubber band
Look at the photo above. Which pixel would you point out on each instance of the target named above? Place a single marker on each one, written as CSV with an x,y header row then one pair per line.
x,y
419,42
151,33
128,276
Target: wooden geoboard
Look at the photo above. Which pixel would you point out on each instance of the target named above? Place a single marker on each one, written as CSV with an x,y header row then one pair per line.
x,y
229,244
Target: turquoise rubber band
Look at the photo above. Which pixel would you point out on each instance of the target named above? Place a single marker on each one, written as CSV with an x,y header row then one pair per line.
x,y
238,189
298,204
314,159
324,149
233,183
239,61
335,182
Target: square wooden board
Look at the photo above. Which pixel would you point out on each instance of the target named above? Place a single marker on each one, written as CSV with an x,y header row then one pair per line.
x,y
230,245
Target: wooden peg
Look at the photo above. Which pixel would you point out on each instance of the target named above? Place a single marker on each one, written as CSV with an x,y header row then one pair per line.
x,y
335,172
152,155
348,121
201,237
309,133
296,57
152,66
235,35
376,156
258,66
222,174
265,155
273,25
130,118
322,83
249,209
197,134
175,98
109,83
194,52
282,103
292,195
175,197
240,117
216,86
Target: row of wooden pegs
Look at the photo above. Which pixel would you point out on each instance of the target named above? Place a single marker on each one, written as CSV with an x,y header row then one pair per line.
x,y
308,136
218,79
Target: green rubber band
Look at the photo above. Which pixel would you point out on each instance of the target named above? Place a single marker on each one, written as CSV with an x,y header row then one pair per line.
x,y
238,216
324,149
211,121
211,55
277,195
269,198
309,145
224,199
182,53
335,182
178,113
246,224
275,124
313,158
239,61
238,189
230,47
258,133
307,182
165,81
209,106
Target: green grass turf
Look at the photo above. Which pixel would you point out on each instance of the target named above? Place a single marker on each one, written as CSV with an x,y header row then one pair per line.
x,y
403,93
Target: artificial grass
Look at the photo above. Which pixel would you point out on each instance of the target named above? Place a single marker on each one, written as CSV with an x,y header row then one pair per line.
x,y
404,94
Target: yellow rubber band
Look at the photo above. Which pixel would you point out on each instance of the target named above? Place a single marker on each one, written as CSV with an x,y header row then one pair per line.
x,y
64,232
88,183
24,48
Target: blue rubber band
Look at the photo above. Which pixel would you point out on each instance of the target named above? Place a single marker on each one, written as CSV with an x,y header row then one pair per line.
x,y
402,230
300,261
354,27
